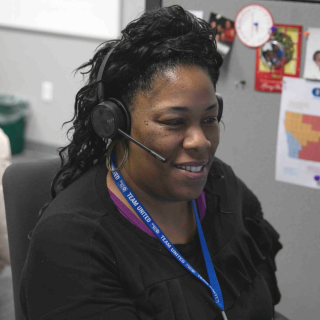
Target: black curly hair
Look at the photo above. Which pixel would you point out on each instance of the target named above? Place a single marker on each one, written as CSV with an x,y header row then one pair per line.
x,y
157,41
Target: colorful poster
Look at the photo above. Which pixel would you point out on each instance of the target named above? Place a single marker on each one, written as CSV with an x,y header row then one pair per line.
x,y
225,32
312,62
268,78
298,148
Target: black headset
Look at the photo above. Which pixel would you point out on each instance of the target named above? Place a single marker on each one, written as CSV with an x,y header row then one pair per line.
x,y
109,115
111,119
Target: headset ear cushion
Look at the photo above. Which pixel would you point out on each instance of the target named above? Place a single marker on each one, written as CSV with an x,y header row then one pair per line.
x,y
126,119
103,121
109,116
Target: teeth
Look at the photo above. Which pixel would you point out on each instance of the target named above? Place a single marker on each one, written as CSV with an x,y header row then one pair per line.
x,y
191,169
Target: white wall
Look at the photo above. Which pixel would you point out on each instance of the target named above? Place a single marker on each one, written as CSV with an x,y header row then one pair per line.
x,y
29,58
132,9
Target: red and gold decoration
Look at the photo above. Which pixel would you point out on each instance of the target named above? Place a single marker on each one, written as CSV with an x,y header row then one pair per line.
x,y
279,57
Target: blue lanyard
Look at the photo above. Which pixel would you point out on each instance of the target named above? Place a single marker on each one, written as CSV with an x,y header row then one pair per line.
x,y
146,218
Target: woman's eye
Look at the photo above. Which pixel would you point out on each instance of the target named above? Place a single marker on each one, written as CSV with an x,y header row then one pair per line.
x,y
174,122
210,120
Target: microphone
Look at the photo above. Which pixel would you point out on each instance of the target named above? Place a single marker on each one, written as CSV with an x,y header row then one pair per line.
x,y
156,155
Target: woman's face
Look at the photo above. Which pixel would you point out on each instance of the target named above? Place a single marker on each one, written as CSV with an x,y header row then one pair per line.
x,y
178,120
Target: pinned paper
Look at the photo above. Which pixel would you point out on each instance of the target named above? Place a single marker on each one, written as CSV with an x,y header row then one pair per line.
x,y
225,32
268,78
312,62
298,148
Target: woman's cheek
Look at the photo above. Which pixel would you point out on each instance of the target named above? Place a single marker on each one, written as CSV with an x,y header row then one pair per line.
x,y
161,139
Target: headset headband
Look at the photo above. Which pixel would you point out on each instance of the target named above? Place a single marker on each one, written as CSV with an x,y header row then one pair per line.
x,y
101,87
100,75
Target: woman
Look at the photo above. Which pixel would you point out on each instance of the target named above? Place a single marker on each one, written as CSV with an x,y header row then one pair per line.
x,y
91,255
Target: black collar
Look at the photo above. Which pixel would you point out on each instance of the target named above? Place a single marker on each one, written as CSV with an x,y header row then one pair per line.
x,y
222,182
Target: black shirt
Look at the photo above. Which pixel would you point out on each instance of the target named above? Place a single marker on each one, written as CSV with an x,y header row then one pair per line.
x,y
87,261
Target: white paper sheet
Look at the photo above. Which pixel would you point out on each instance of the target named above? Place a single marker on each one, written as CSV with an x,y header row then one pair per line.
x,y
298,148
312,62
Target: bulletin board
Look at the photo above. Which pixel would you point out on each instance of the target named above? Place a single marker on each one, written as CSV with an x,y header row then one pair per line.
x,y
248,143
99,19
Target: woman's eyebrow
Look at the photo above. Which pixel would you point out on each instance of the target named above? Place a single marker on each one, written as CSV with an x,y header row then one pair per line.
x,y
177,108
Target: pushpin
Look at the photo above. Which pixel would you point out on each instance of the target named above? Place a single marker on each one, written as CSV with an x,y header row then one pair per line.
x,y
317,178
306,33
274,28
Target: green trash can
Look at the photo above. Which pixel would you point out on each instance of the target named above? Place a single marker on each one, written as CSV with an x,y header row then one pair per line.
x,y
13,113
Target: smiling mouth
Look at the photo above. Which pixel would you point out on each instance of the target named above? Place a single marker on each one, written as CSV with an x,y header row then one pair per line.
x,y
191,168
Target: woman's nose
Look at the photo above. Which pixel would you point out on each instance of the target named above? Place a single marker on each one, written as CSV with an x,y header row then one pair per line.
x,y
196,139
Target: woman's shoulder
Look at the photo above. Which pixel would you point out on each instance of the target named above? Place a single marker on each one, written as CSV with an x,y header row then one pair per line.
x,y
256,233
81,212
223,181
86,196
222,171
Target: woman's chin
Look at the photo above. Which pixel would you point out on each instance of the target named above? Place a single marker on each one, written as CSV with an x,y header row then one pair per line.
x,y
188,194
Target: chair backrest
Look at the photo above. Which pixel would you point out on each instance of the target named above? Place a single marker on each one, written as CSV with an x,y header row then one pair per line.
x,y
26,187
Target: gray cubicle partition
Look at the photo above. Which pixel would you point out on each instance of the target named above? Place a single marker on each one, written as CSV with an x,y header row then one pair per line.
x,y
248,144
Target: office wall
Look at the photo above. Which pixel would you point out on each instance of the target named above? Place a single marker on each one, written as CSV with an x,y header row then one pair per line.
x,y
29,58
248,143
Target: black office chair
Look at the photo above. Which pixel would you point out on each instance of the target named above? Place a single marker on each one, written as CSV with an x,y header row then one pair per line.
x,y
26,188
